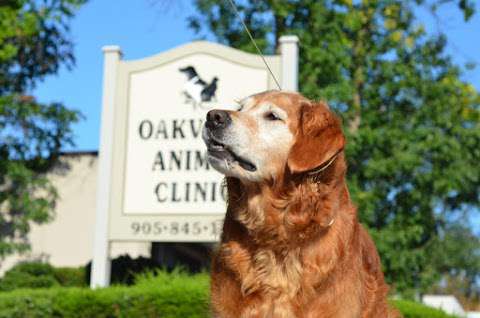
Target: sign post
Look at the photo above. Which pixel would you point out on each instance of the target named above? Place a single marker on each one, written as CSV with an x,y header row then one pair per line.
x,y
154,182
100,276
289,53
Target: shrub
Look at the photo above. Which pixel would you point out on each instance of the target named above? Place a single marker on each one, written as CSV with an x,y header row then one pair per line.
x,y
165,295
33,268
70,276
28,275
41,275
410,309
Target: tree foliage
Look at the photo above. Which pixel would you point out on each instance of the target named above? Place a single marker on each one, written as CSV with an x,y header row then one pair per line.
x,y
34,43
413,125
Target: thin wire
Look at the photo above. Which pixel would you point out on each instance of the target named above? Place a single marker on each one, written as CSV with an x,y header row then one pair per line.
x,y
254,43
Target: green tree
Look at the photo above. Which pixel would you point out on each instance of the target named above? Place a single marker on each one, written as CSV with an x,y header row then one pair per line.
x,y
412,124
33,44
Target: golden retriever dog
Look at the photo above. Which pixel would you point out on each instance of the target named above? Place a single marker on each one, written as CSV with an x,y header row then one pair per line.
x,y
291,245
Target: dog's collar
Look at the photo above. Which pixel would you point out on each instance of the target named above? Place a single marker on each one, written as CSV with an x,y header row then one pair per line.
x,y
323,167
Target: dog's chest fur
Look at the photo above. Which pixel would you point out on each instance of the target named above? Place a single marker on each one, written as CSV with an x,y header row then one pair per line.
x,y
277,278
274,273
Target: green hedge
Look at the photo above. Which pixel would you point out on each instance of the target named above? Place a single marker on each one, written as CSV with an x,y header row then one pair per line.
x,y
411,309
41,275
70,276
28,275
165,295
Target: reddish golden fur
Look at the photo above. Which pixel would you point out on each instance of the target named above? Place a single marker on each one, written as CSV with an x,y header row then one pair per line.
x,y
280,255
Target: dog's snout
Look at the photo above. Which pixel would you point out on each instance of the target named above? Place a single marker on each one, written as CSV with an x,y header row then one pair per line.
x,y
217,119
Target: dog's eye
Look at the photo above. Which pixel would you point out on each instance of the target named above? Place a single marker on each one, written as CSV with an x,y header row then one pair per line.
x,y
271,116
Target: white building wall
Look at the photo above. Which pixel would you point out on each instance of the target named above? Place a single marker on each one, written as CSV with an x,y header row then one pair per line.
x,y
68,239
447,303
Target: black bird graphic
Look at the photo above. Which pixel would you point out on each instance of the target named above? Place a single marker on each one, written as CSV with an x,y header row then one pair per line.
x,y
209,91
196,89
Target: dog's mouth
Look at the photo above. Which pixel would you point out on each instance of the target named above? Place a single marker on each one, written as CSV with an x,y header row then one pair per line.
x,y
222,152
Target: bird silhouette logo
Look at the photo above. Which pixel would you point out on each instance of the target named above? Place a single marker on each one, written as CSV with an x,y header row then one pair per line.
x,y
196,90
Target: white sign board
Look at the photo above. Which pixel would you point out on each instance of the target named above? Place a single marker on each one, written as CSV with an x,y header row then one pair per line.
x,y
155,183
166,168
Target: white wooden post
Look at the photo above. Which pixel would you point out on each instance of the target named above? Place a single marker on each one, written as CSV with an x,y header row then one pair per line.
x,y
100,274
289,53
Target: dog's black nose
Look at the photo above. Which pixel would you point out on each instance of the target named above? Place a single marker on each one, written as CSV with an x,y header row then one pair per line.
x,y
217,119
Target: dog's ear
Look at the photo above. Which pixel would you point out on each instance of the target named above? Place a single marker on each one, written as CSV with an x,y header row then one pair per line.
x,y
319,137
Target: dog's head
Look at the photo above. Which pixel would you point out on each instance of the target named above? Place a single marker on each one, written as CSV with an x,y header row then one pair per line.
x,y
272,132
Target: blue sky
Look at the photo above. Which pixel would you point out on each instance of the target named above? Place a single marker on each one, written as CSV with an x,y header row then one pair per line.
x,y
143,28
